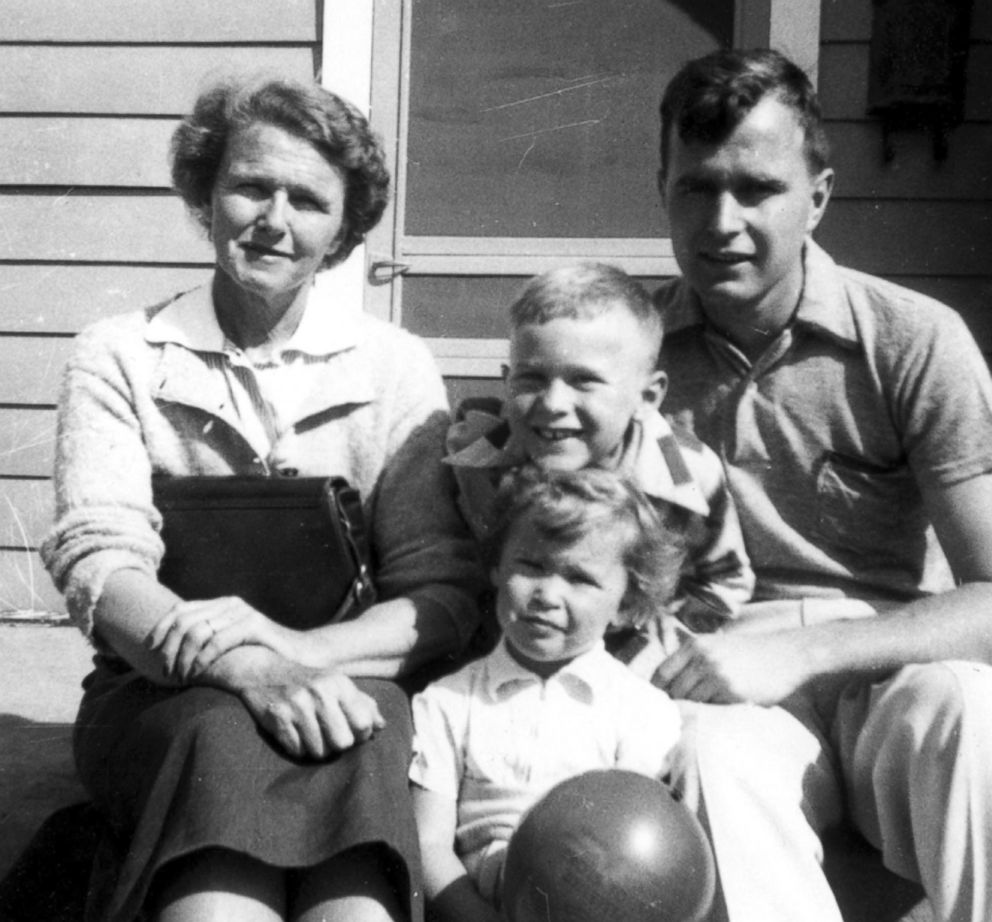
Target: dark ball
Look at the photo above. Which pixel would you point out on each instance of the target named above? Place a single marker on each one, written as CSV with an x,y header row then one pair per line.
x,y
608,845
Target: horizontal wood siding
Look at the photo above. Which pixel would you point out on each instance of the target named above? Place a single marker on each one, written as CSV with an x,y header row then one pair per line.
x,y
918,221
79,226
90,92
905,237
857,158
65,297
24,584
32,369
27,441
26,507
159,80
850,21
175,22
77,151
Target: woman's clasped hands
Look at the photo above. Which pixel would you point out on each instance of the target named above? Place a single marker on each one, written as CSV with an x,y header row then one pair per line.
x,y
192,636
311,712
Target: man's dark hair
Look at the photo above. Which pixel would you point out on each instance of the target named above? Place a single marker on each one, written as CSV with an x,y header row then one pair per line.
x,y
710,96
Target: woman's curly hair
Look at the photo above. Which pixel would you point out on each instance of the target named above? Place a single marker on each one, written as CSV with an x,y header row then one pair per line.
x,y
564,506
331,124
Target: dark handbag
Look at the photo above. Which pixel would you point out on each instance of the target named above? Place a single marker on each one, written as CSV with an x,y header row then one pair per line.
x,y
295,548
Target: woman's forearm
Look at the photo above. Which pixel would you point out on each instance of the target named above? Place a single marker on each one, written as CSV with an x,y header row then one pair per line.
x,y
388,640
130,606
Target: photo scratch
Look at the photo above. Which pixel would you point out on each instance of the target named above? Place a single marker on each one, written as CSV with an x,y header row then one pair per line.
x,y
64,197
537,131
539,96
27,579
530,147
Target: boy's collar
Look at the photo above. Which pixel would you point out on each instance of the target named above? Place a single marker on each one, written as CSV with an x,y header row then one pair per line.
x,y
653,457
486,441
658,467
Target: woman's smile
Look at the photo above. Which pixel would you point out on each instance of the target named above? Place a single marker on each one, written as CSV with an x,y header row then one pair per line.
x,y
277,211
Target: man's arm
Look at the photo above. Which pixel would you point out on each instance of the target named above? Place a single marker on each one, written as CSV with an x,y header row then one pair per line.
x,y
766,668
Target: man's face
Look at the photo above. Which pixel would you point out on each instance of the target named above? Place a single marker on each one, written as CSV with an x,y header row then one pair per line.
x,y
741,210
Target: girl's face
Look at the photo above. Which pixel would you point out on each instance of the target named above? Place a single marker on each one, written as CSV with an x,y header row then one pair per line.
x,y
555,600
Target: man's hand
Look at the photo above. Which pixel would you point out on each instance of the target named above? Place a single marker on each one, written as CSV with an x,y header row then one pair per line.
x,y
732,666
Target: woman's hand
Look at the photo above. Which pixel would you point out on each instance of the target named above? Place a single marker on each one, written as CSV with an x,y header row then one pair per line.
x,y
194,635
313,714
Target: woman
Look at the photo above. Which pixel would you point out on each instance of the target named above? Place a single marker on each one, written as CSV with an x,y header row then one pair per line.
x,y
245,769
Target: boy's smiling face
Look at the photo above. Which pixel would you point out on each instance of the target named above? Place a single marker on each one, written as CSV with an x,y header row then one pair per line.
x,y
575,383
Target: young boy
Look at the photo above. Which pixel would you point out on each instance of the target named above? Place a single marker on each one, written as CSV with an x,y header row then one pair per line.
x,y
583,389
573,552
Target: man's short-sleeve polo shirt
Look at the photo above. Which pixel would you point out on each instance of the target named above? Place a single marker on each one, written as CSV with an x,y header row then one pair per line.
x,y
871,393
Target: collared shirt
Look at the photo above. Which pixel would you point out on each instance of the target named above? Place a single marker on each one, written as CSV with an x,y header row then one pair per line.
x,y
683,477
266,397
870,394
495,737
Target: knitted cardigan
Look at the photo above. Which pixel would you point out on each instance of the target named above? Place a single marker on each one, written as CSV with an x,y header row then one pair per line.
x,y
138,400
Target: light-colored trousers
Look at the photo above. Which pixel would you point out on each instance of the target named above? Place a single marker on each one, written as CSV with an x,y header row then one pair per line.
x,y
908,761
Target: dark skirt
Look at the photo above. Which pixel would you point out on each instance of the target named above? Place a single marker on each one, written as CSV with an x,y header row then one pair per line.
x,y
178,771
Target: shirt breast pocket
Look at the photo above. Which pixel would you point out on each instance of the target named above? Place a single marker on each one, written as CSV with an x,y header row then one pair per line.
x,y
872,514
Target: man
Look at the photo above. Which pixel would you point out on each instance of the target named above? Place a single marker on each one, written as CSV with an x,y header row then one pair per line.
x,y
854,419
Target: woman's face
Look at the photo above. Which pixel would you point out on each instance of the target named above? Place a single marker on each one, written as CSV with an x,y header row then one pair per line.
x,y
277,210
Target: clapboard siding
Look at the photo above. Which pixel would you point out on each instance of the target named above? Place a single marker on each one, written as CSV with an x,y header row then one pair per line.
x,y
32,369
914,174
843,82
850,20
27,441
910,237
25,513
177,21
129,80
63,151
90,92
24,584
923,223
63,298
74,226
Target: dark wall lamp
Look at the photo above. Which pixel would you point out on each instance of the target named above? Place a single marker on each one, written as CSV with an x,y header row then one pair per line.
x,y
919,54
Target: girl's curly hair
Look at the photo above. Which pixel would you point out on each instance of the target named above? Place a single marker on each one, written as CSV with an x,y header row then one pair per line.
x,y
332,125
564,506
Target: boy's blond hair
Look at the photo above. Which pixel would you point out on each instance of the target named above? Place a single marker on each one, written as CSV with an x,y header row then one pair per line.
x,y
587,289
